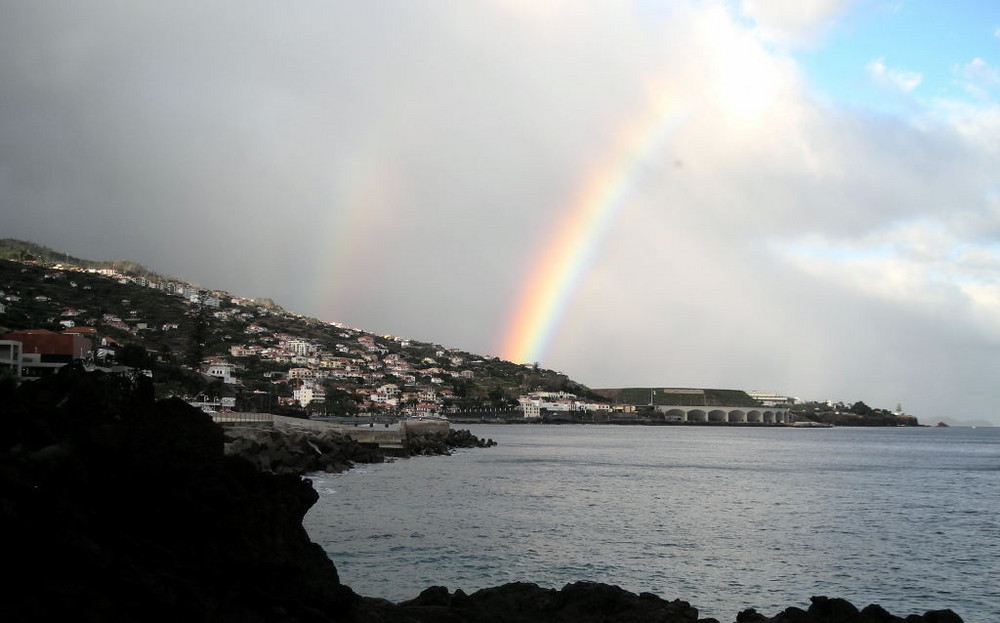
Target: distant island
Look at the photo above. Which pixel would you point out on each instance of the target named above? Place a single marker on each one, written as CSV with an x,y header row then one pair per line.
x,y
223,352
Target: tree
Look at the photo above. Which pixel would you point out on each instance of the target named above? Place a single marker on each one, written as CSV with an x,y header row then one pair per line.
x,y
135,356
339,402
861,408
196,344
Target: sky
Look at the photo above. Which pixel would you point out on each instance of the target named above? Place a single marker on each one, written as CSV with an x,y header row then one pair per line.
x,y
799,196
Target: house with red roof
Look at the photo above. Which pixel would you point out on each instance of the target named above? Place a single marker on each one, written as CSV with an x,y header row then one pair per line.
x,y
43,352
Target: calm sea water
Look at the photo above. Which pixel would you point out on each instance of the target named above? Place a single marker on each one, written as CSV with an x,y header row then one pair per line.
x,y
725,518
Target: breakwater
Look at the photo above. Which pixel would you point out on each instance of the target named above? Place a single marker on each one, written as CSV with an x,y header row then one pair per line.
x,y
297,446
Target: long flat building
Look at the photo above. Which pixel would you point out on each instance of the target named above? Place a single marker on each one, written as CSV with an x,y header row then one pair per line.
x,y
679,404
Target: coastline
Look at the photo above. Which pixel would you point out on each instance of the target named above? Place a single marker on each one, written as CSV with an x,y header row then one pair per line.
x,y
149,519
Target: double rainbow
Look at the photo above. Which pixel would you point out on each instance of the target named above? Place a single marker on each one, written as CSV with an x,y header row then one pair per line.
x,y
569,252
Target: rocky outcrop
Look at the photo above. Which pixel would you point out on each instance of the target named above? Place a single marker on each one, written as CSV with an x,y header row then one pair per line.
x,y
835,610
443,443
590,602
521,602
290,451
295,450
116,507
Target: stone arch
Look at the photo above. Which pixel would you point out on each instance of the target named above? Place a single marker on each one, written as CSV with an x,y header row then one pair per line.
x,y
716,415
737,416
769,417
675,415
696,415
754,416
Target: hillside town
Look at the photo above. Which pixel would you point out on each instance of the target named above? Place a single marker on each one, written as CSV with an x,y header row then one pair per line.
x,y
247,351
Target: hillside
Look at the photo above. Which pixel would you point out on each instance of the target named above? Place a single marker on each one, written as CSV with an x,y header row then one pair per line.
x,y
24,251
180,332
253,355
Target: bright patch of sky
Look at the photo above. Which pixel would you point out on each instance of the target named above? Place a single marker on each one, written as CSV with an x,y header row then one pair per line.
x,y
892,56
927,64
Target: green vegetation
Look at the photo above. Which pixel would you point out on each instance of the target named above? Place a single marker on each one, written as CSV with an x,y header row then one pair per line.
x,y
23,251
857,414
677,397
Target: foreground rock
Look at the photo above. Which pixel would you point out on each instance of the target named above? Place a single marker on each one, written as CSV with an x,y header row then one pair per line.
x,y
115,507
585,602
519,602
118,508
832,610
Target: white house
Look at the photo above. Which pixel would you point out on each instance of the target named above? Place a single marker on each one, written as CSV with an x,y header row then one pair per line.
x,y
222,371
531,408
308,394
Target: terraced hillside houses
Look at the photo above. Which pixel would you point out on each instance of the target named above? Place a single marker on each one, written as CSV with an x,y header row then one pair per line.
x,y
201,343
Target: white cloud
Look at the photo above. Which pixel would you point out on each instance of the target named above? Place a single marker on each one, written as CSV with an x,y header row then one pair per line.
x,y
905,81
978,78
978,123
980,71
794,22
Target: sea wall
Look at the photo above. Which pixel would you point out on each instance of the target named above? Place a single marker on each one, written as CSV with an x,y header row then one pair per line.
x,y
116,507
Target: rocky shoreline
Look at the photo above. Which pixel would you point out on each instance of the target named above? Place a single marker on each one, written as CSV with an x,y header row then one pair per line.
x,y
294,450
117,507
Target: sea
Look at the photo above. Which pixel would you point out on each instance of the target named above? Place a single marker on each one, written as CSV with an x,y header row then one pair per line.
x,y
726,518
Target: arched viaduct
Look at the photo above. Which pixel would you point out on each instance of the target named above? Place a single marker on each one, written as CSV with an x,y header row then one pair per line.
x,y
721,414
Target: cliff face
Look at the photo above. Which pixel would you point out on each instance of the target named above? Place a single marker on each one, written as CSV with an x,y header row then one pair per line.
x,y
115,507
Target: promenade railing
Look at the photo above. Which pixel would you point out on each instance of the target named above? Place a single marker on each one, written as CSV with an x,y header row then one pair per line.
x,y
236,418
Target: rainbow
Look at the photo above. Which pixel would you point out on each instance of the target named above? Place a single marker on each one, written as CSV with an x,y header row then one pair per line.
x,y
569,252
360,198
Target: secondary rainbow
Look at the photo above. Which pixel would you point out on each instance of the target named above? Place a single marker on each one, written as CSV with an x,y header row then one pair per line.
x,y
569,252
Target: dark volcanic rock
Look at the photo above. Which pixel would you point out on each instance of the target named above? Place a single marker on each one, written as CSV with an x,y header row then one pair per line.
x,y
283,451
116,507
521,602
835,610
443,443
289,450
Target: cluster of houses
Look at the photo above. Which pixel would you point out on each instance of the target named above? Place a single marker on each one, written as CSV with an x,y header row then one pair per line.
x,y
35,353
359,363
32,353
534,403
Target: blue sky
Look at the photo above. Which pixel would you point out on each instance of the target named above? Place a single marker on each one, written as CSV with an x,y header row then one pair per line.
x,y
932,41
